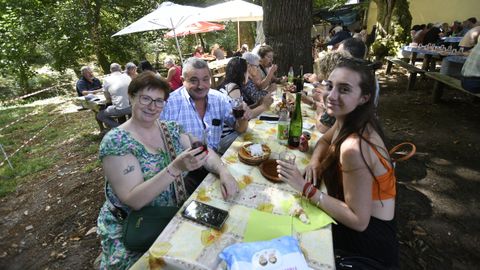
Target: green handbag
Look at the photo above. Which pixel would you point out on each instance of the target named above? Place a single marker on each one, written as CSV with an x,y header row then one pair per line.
x,y
142,227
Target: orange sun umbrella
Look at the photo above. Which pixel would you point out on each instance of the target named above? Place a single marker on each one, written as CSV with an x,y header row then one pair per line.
x,y
194,28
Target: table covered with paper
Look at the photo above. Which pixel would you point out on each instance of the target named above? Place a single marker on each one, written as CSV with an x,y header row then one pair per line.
x,y
262,210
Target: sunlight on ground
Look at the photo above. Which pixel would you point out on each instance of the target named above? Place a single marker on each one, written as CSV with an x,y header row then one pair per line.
x,y
66,104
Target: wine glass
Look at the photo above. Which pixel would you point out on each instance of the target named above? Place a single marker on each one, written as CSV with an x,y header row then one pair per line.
x,y
202,142
237,107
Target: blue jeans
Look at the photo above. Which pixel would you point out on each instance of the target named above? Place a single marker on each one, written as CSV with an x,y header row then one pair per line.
x,y
106,116
225,142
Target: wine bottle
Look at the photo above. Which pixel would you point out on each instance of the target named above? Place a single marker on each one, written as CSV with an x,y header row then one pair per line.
x,y
282,127
296,123
290,74
299,81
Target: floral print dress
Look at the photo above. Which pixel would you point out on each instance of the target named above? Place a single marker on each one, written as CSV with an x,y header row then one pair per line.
x,y
119,142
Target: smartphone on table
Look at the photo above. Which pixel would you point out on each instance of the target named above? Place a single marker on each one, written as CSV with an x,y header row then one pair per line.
x,y
205,214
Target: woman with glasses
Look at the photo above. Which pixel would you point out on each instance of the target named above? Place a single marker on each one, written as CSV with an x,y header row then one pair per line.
x,y
137,166
251,93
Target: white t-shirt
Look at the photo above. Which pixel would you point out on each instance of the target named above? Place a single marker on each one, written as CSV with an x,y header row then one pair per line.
x,y
116,84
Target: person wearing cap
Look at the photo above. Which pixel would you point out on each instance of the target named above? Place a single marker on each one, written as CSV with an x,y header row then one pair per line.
x,y
339,35
116,92
131,70
174,73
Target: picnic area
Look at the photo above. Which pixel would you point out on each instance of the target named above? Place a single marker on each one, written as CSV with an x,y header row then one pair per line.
x,y
52,183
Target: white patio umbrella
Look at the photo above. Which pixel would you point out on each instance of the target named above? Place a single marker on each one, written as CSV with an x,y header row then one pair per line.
x,y
167,16
236,11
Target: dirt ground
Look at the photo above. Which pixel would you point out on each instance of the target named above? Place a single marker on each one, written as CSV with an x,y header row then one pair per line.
x,y
49,222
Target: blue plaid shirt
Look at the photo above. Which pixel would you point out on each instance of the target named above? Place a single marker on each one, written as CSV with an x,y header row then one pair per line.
x,y
180,107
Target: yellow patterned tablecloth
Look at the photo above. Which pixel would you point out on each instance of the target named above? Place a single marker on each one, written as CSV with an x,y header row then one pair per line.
x,y
187,245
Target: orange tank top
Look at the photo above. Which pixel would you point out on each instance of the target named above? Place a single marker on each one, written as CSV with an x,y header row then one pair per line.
x,y
385,185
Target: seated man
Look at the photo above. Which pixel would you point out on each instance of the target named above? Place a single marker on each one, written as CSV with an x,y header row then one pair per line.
x,y
200,110
116,92
88,84
471,71
131,70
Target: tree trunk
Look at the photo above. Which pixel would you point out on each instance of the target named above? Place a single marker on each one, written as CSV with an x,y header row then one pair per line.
x,y
384,15
287,25
93,9
247,34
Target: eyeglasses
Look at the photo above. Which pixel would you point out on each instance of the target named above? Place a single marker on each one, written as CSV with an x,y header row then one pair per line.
x,y
146,100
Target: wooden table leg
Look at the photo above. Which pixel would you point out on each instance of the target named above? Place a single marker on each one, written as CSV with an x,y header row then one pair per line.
x,y
411,81
100,123
437,91
433,64
413,58
389,67
426,62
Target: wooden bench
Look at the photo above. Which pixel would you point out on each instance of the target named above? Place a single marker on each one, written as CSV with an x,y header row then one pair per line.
x,y
412,70
441,80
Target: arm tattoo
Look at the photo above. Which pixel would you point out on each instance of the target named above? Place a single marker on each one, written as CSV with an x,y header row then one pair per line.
x,y
128,170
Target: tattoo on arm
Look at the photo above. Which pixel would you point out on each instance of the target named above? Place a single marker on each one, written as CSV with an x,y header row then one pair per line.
x,y
129,169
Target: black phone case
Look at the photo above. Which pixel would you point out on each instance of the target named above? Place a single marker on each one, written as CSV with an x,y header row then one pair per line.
x,y
268,118
215,226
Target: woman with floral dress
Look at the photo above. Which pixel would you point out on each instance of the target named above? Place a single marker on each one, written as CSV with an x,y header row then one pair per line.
x,y
138,170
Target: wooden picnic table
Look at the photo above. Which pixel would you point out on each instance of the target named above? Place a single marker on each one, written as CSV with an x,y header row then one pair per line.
x,y
94,102
430,56
188,245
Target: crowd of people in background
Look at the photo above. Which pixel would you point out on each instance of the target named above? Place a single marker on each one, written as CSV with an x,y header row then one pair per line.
x,y
345,96
115,86
431,33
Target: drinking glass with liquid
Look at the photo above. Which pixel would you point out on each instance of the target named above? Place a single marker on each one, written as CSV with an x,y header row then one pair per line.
x,y
237,107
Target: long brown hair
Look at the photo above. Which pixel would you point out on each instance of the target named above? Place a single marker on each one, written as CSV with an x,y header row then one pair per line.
x,y
355,123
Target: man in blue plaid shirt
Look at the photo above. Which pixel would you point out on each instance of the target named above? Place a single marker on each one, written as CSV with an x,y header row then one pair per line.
x,y
199,109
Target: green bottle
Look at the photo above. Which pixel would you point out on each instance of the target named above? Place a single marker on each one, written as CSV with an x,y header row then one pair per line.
x,y
296,123
290,74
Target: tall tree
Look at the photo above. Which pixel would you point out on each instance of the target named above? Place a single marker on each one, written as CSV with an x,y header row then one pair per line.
x,y
390,13
287,25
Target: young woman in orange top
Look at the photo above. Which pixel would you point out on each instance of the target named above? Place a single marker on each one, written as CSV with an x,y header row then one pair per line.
x,y
352,160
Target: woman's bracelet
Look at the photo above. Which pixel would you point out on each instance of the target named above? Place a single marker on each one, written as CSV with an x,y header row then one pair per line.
x,y
171,174
306,188
320,199
312,192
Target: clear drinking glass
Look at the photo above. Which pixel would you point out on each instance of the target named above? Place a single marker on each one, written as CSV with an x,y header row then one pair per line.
x,y
287,156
